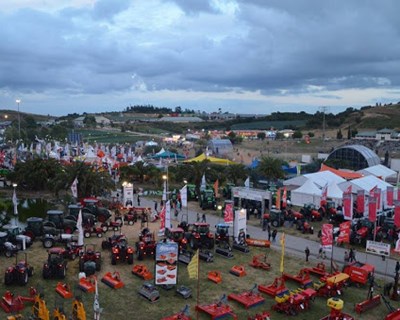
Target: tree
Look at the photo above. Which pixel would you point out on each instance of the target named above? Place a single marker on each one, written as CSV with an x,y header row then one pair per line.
x,y
339,134
261,135
90,121
235,173
297,134
271,168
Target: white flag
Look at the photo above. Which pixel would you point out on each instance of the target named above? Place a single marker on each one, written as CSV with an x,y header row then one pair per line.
x,y
247,183
203,183
184,196
80,228
74,188
168,215
15,202
164,194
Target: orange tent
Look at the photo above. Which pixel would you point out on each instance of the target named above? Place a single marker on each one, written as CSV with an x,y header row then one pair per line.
x,y
348,175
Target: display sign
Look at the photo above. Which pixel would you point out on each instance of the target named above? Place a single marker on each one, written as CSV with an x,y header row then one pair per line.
x,y
378,248
166,266
239,223
327,237
128,195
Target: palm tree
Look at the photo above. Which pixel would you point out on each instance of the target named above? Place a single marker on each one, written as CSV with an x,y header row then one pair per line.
x,y
235,173
271,168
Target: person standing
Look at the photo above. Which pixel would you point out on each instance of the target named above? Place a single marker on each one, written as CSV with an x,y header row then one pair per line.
x,y
346,257
352,255
138,200
274,233
307,252
155,206
198,217
203,218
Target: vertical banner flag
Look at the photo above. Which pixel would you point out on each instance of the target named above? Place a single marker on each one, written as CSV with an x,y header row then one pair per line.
x,y
348,204
360,201
283,252
15,202
193,266
74,188
324,195
378,196
80,228
389,195
162,219
184,196
397,213
278,199
216,186
168,214
344,232
228,213
284,198
372,204
247,182
203,185
327,237
398,191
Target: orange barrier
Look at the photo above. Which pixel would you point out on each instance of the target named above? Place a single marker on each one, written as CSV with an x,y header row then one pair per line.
x,y
258,243
215,276
113,280
64,290
141,271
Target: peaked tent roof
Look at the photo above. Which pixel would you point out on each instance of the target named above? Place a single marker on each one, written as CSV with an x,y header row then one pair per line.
x,y
365,183
334,191
309,187
203,157
348,175
380,171
319,178
168,154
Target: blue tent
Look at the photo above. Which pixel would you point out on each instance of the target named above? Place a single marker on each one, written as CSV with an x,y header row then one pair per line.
x,y
168,155
254,164
290,170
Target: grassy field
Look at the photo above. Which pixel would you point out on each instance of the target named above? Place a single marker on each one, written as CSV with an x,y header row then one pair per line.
x,y
127,303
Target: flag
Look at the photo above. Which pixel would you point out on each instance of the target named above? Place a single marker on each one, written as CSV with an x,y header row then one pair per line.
x,y
74,188
348,204
397,213
389,195
184,196
15,202
324,195
168,214
378,196
193,266
228,213
360,201
216,186
372,204
162,219
327,237
278,199
164,194
284,198
247,182
283,252
80,228
344,232
203,183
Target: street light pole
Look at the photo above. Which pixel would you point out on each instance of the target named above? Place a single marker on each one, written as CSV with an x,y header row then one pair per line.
x,y
18,101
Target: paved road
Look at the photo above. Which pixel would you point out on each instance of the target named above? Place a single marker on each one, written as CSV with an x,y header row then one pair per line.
x,y
296,245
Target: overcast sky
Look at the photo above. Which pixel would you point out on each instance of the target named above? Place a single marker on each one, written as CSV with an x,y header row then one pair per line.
x,y
243,56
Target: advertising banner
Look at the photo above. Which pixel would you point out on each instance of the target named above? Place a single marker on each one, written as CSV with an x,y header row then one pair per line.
x,y
344,232
347,205
327,237
372,209
240,223
389,195
128,195
228,213
378,248
166,267
397,213
360,201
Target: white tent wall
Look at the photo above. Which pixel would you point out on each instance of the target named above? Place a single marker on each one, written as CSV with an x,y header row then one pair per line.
x,y
299,198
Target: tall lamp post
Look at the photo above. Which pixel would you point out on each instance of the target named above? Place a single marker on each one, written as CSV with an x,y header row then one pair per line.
x,y
18,101
15,200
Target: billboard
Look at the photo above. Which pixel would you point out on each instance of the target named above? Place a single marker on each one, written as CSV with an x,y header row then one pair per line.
x,y
378,248
166,266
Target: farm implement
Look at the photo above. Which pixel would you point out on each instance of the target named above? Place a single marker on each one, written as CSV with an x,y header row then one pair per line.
x,y
12,303
217,310
181,315
293,302
275,288
336,306
303,278
142,271
113,280
260,262
249,298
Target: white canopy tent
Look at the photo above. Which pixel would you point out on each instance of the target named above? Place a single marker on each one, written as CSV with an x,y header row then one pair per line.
x,y
379,171
321,179
335,193
307,193
365,183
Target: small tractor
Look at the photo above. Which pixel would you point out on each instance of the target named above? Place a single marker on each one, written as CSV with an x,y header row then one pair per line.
x,y
199,236
192,193
177,235
16,237
222,234
121,252
18,273
363,230
305,227
90,260
207,199
56,265
327,209
93,207
275,217
146,246
359,273
113,240
227,190
310,212
6,247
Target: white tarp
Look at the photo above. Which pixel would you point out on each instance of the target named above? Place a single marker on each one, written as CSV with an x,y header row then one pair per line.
x,y
308,192
379,171
365,183
335,193
319,178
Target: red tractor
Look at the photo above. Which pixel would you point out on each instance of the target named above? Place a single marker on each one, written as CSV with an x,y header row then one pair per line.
x,y
18,273
113,240
121,252
177,235
364,230
56,265
199,236
327,209
310,212
90,260
146,246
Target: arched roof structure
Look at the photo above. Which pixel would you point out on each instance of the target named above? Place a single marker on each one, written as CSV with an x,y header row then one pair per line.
x,y
355,157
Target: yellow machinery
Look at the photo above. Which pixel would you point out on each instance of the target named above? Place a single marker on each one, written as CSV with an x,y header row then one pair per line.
x,y
78,310
58,314
39,309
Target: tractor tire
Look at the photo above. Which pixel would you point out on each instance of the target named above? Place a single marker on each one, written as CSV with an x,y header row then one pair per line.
x,y
130,258
8,253
113,260
8,278
193,244
275,223
46,273
99,235
63,272
139,255
211,244
131,222
48,243
19,246
98,265
30,271
23,278
105,245
87,234
104,228
30,234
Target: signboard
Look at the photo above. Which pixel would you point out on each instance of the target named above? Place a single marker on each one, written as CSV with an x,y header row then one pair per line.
x,y
128,195
166,267
378,248
228,213
239,223
251,194
327,237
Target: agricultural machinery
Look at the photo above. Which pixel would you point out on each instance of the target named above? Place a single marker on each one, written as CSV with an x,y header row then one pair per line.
x,y
15,236
149,291
310,212
336,306
327,209
93,207
177,235
222,240
56,265
6,247
18,273
305,227
73,212
192,193
121,252
275,217
359,272
207,199
113,240
50,240
363,230
199,236
90,260
227,190
146,246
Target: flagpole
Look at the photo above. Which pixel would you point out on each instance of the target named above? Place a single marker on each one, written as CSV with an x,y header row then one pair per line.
x,y
332,250
198,284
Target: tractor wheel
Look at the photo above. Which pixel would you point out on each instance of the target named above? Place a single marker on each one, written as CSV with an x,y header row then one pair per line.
x,y
8,253
98,265
63,272
30,271
275,223
30,234
105,245
99,235
87,234
8,278
193,244
46,273
104,228
113,260
23,278
19,246
48,243
131,222
211,244
130,258
140,255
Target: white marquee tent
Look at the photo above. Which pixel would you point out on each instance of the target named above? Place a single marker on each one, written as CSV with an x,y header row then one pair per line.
x,y
307,193
321,179
380,171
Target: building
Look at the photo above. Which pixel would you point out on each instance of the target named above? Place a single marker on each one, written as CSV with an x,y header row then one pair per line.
x,y
220,147
384,134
